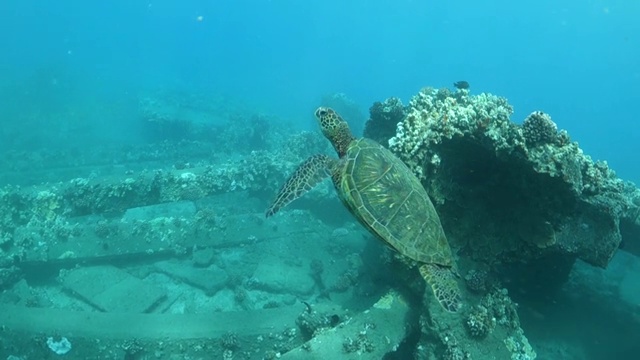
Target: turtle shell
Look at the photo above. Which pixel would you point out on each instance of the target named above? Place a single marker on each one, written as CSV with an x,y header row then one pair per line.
x,y
388,199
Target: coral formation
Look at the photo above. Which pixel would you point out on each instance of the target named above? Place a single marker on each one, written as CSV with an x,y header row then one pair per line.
x,y
455,353
480,322
311,322
529,188
538,129
229,341
519,347
384,119
434,116
360,344
132,349
8,275
500,308
477,281
345,281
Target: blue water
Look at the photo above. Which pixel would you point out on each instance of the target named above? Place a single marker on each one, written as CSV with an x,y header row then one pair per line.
x,y
72,73
577,60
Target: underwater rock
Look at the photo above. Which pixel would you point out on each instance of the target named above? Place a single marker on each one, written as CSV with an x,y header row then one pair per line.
x,y
211,279
274,277
371,334
203,257
9,276
491,326
511,193
110,289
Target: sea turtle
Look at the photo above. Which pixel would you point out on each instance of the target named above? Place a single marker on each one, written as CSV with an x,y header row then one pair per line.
x,y
385,196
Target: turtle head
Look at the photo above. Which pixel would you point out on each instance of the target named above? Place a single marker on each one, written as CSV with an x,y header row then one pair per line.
x,y
335,129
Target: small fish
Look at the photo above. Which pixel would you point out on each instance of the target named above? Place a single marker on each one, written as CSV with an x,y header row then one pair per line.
x,y
461,84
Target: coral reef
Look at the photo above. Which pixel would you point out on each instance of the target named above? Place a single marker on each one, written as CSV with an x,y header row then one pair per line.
x,y
35,223
258,171
490,326
478,281
519,347
360,344
8,275
384,119
455,353
539,129
133,349
311,321
529,189
500,308
480,322
434,116
229,341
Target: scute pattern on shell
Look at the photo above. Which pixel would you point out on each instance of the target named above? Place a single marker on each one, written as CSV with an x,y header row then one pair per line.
x,y
386,197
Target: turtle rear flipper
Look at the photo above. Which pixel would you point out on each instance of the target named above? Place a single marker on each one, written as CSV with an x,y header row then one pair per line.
x,y
306,177
444,285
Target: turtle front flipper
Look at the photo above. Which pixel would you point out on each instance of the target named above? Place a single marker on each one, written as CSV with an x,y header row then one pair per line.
x,y
444,285
306,177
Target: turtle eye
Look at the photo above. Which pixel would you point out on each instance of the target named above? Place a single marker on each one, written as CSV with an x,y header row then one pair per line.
x,y
322,112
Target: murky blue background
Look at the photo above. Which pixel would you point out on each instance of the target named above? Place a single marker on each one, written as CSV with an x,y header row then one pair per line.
x,y
577,60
